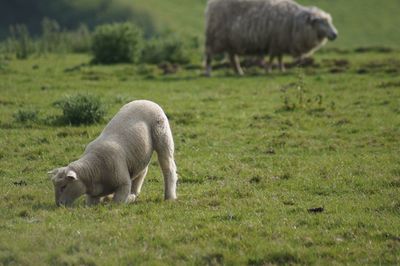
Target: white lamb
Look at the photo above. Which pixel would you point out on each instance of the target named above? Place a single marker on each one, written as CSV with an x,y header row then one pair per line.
x,y
117,161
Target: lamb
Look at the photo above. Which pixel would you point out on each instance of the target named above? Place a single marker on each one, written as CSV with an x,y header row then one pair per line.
x,y
264,27
117,161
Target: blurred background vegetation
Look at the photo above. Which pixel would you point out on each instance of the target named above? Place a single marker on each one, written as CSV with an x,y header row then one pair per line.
x,y
44,26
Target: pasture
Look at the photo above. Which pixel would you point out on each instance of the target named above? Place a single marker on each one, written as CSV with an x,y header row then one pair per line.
x,y
297,168
254,155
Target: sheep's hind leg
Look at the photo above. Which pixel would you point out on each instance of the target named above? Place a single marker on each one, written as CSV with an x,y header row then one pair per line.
x,y
281,64
208,65
236,64
137,182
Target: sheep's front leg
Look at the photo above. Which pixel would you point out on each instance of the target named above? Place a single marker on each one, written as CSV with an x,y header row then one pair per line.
x,y
270,63
123,194
236,64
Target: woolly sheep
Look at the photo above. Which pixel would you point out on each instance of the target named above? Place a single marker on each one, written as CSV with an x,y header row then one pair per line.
x,y
117,161
260,27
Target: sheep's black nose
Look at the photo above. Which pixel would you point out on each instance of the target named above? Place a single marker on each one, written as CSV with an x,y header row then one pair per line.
x,y
333,36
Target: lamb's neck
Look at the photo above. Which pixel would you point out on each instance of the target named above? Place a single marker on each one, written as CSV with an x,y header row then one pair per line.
x,y
87,170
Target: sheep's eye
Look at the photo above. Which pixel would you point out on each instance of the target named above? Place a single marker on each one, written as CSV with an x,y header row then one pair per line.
x,y
63,188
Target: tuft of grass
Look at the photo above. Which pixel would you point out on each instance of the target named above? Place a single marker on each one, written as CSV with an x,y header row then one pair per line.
x,y
26,115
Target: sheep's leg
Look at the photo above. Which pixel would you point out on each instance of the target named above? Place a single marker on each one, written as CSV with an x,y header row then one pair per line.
x,y
90,200
281,64
236,64
168,168
208,65
137,182
123,193
270,63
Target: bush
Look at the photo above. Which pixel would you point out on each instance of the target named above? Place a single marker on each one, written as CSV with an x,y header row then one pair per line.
x,y
81,109
117,43
23,116
169,49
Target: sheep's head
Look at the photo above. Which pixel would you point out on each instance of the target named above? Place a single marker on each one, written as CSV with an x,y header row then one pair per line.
x,y
67,186
322,23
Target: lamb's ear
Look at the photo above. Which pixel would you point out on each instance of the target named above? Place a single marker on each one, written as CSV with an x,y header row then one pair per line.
x,y
72,175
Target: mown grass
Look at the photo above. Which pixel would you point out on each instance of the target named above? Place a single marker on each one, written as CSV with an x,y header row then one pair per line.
x,y
255,155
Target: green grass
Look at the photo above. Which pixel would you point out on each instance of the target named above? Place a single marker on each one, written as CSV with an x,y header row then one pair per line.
x,y
253,155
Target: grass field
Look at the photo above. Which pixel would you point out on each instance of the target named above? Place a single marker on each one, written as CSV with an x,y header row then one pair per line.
x,y
253,153
300,168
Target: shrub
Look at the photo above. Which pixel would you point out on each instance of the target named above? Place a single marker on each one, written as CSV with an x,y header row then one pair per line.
x,y
168,49
117,43
23,116
81,109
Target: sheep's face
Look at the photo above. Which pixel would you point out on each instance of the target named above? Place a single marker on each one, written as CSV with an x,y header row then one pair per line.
x,y
67,186
323,25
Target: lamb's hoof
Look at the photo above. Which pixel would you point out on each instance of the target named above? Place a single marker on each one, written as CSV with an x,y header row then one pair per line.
x,y
107,198
172,197
131,198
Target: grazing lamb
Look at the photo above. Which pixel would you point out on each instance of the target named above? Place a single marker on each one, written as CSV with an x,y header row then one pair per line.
x,y
117,161
264,27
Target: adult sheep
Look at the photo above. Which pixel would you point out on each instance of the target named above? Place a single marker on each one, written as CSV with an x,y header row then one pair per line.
x,y
264,27
117,161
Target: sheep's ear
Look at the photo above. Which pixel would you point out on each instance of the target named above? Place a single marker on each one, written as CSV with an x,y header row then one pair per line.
x,y
311,17
72,175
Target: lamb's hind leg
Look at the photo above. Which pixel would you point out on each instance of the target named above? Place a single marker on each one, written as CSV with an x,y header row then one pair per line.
x,y
168,168
164,146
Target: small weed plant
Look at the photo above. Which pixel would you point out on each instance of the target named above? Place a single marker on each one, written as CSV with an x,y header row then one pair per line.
x,y
81,109
25,115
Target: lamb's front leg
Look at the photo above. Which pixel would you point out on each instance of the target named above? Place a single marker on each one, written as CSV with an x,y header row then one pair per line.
x,y
90,200
123,193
